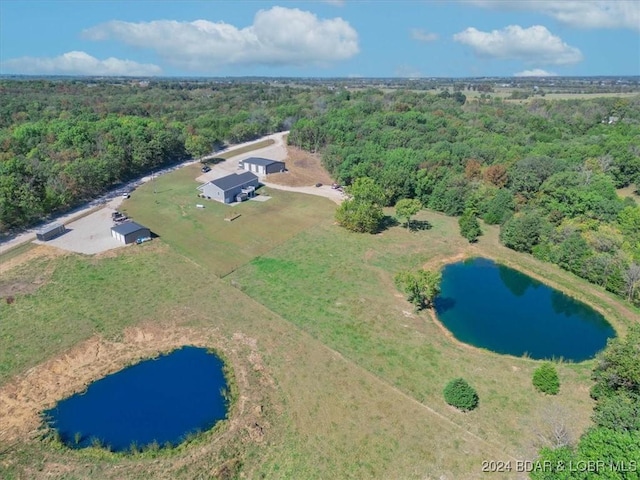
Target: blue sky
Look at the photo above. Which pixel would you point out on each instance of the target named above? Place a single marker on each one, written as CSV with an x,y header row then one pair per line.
x,y
331,38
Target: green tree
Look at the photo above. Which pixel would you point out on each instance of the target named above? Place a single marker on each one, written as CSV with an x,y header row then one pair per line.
x,y
618,367
421,286
469,226
545,379
197,146
499,208
461,395
362,212
522,232
620,412
407,208
359,216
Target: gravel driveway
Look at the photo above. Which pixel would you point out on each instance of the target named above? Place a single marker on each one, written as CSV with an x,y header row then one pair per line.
x,y
91,233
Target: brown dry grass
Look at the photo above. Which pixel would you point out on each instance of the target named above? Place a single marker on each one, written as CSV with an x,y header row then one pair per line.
x,y
340,378
630,191
15,282
22,400
304,169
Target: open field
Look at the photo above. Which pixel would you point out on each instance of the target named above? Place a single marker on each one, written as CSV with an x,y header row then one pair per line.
x,y
505,93
336,376
168,207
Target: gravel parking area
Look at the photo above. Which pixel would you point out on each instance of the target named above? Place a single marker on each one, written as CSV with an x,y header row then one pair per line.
x,y
90,234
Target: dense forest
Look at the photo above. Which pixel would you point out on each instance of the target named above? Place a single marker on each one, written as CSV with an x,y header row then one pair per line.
x,y
68,141
546,171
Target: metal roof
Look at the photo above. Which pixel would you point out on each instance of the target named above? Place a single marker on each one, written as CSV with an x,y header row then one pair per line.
x,y
127,228
263,162
234,180
49,228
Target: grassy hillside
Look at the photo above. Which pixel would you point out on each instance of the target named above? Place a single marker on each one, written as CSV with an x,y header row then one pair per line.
x,y
336,376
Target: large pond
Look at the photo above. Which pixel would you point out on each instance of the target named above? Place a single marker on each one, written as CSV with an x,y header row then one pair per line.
x,y
160,400
501,309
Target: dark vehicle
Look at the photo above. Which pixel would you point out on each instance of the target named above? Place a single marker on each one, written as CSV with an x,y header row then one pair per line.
x,y
318,184
205,169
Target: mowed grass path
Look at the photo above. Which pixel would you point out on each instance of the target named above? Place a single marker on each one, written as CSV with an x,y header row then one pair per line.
x,y
352,380
323,416
339,287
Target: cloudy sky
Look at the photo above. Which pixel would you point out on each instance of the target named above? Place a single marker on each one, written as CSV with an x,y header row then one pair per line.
x,y
330,38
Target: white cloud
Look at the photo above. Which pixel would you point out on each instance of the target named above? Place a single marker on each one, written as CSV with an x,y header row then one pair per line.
x,y
80,63
536,72
535,44
278,36
577,13
423,36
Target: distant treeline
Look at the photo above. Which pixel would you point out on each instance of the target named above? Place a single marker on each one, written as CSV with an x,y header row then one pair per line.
x,y
65,142
546,171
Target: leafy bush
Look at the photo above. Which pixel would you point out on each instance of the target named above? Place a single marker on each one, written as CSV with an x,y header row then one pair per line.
x,y
421,286
546,380
620,412
461,395
469,226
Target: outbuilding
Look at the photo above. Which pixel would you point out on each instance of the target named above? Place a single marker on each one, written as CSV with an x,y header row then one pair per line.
x,y
129,232
262,166
50,231
227,189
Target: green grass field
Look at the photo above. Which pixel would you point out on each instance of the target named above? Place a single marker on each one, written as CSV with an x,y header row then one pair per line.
x,y
346,379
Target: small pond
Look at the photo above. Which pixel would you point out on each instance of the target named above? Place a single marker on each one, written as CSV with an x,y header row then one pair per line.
x,y
159,400
501,309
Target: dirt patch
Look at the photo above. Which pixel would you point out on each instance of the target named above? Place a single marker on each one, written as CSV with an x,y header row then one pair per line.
x,y
12,285
438,262
38,389
40,251
304,169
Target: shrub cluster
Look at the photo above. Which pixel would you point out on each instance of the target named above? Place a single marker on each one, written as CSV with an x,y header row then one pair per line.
x,y
461,395
546,380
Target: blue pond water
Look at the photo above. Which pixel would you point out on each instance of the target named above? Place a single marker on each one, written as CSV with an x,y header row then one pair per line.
x,y
159,400
498,308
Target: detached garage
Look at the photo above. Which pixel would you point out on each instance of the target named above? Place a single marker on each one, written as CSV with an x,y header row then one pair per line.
x,y
50,232
129,232
262,166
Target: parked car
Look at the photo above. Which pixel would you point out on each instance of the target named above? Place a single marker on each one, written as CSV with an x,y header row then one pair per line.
x,y
205,169
318,184
126,195
142,240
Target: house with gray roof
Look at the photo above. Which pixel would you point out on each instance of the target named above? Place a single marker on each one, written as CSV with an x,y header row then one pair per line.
x,y
232,188
262,166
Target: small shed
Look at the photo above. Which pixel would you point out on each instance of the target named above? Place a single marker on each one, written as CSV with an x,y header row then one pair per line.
x,y
227,188
262,166
129,232
49,232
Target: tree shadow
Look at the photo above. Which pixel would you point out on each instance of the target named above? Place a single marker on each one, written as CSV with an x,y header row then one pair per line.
x,y
443,304
387,222
418,225
213,161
